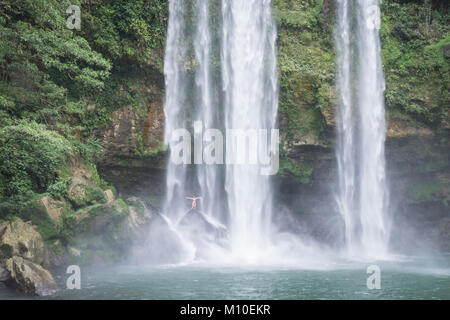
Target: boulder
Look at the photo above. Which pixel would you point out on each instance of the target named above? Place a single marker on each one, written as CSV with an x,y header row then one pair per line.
x,y
135,223
83,190
54,208
109,194
30,278
19,238
94,219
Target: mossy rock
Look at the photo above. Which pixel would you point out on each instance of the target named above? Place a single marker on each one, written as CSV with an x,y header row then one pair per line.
x,y
82,195
137,204
97,217
36,212
300,171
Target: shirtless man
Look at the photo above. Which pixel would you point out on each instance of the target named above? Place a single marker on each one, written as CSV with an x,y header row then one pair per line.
x,y
194,201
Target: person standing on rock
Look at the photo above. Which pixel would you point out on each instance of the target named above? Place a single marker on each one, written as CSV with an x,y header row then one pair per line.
x,y
194,202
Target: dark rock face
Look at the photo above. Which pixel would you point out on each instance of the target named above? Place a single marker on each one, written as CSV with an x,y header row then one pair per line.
x,y
133,133
147,183
4,274
418,176
419,180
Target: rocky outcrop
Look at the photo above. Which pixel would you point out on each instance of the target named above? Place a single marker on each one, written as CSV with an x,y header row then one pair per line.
x,y
30,277
135,131
22,257
105,233
54,208
19,238
83,190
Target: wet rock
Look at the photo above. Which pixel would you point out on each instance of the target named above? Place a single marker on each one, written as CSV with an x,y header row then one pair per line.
x,y
56,252
400,129
30,278
134,225
19,238
4,274
134,128
94,219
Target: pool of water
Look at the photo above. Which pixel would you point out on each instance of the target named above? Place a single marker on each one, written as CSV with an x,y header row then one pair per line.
x,y
399,280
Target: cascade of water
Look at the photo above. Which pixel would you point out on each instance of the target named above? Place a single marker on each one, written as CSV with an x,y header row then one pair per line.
x,y
346,152
176,89
373,195
208,176
250,102
250,99
362,198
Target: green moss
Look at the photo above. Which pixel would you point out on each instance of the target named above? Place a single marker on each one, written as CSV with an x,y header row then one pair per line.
x,y
35,212
122,208
306,65
426,190
56,247
95,210
95,195
299,170
138,206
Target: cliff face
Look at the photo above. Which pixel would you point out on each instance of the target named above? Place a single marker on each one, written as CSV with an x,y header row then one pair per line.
x,y
415,57
416,64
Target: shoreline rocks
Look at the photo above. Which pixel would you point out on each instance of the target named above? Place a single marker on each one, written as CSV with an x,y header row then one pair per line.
x,y
23,256
30,278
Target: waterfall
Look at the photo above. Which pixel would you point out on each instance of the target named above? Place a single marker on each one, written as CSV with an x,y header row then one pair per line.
x,y
176,79
226,84
250,87
362,199
346,152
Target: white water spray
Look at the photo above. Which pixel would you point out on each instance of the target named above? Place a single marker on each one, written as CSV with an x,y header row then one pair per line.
x,y
229,84
362,196
250,86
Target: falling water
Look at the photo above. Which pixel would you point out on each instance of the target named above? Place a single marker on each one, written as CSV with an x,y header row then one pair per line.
x,y
346,152
176,79
245,88
363,198
250,87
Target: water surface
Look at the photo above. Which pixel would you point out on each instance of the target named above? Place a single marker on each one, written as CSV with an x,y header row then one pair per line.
x,y
399,280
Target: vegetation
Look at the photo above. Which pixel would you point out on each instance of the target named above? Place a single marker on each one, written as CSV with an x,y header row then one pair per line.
x,y
60,87
306,64
416,62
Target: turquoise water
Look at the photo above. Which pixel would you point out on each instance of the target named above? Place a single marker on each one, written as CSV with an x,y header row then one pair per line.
x,y
398,281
